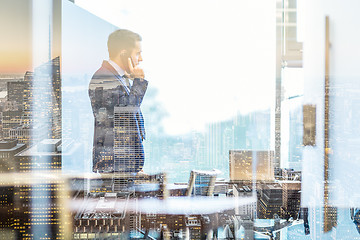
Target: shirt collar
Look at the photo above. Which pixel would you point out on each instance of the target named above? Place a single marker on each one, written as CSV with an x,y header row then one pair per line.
x,y
118,69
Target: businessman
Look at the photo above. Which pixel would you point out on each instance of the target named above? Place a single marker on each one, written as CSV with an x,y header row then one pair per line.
x,y
116,92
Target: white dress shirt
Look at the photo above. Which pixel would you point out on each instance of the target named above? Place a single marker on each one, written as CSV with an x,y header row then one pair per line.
x,y
121,72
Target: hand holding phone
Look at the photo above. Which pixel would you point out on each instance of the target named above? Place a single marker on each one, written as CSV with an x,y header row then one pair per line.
x,y
135,72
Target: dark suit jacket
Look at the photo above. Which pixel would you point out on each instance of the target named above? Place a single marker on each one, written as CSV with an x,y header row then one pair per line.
x,y
119,124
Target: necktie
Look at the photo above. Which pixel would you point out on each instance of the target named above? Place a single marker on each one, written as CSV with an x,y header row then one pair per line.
x,y
127,81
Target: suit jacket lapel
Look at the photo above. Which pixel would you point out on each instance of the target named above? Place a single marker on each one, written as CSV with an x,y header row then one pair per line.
x,y
116,74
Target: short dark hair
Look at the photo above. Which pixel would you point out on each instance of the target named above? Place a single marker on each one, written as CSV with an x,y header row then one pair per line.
x,y
121,39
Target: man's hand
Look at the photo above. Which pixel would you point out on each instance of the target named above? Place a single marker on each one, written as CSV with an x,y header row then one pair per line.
x,y
135,72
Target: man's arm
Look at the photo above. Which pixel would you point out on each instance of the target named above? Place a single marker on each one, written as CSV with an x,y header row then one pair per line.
x,y
137,92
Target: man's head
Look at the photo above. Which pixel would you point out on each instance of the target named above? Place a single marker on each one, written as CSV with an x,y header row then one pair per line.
x,y
122,45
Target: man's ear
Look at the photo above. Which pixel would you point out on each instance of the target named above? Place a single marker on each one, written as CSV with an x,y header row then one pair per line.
x,y
124,60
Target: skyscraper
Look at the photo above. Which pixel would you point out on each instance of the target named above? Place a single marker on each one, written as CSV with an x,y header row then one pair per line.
x,y
270,200
247,165
45,82
8,149
291,198
11,118
15,92
38,204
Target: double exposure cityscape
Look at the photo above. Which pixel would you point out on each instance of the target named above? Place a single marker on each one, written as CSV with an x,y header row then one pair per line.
x,y
179,119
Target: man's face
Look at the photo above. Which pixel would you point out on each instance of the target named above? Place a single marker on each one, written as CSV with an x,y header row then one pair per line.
x,y
136,54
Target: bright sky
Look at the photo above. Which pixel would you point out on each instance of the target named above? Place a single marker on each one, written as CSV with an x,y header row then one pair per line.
x,y
15,47
208,59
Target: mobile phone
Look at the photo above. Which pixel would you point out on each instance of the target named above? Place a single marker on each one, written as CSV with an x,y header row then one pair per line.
x,y
131,62
125,60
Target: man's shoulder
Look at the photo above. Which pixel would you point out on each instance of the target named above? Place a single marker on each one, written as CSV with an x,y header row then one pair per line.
x,y
103,77
103,72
